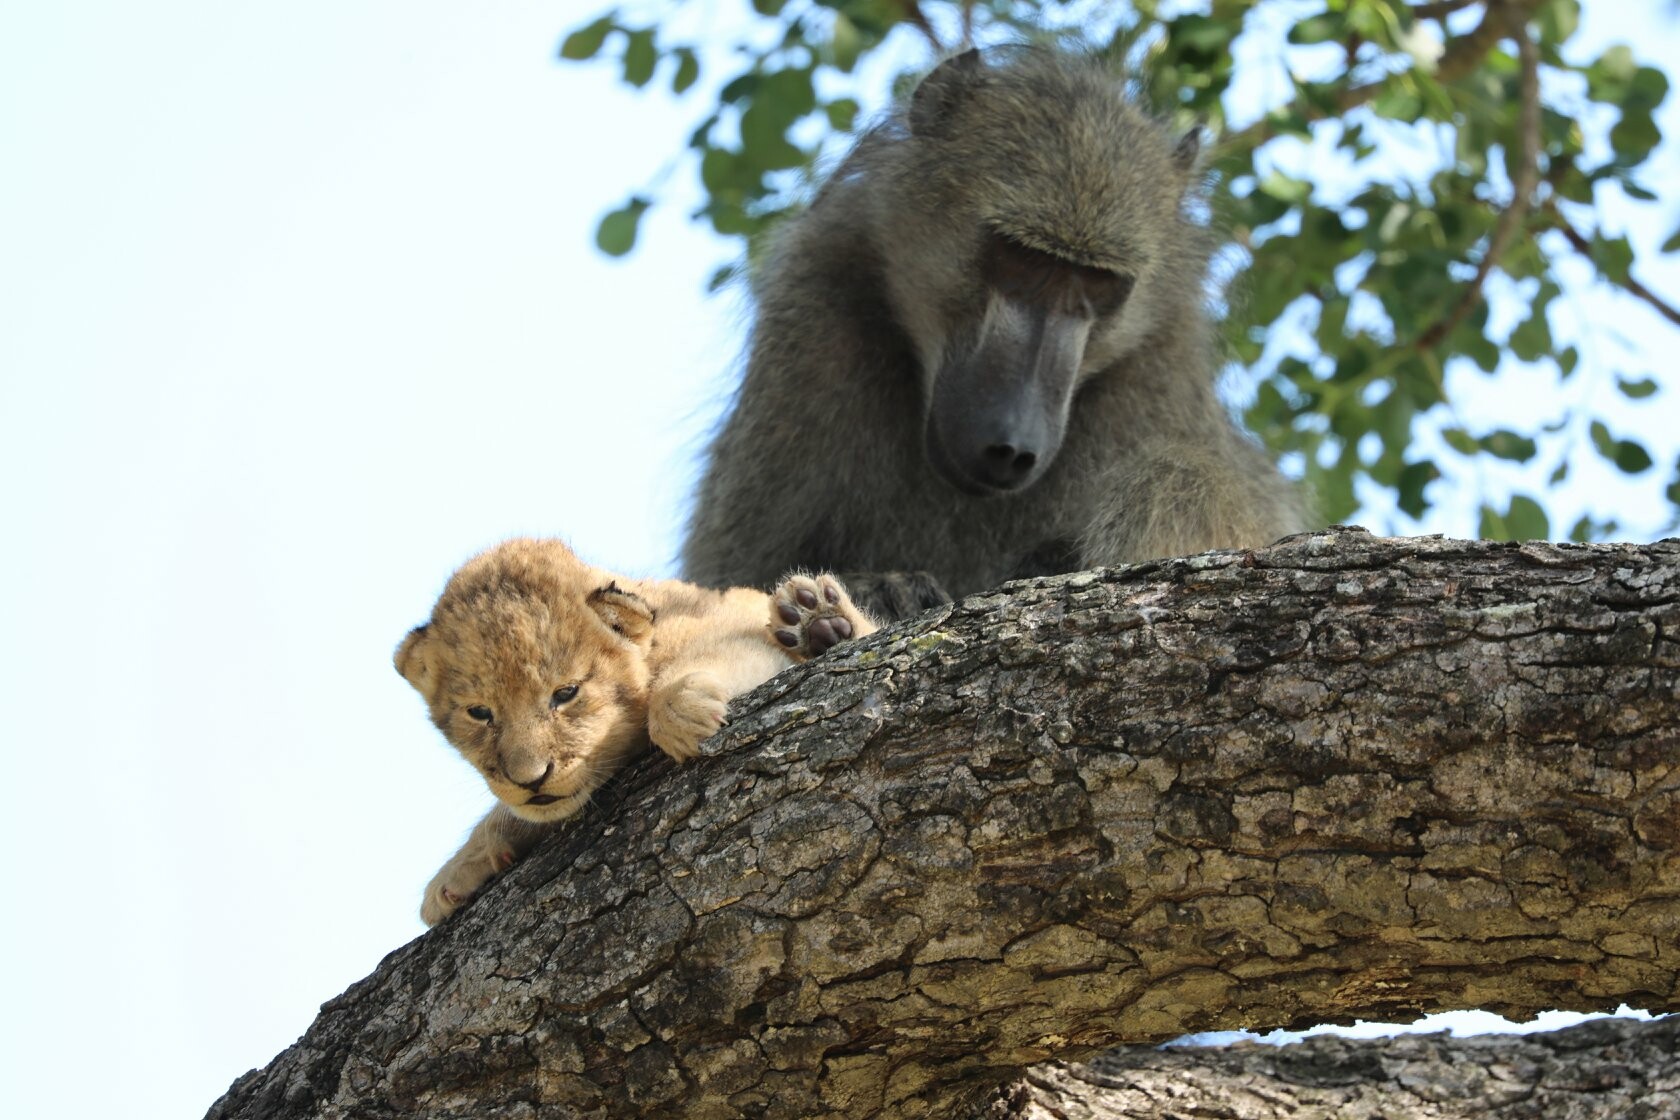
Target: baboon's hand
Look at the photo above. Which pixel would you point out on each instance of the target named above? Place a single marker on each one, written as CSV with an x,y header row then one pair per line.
x,y
811,614
460,878
684,712
892,596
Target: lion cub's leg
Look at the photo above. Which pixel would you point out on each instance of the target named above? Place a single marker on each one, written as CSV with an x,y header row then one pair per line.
x,y
492,847
685,708
717,648
810,614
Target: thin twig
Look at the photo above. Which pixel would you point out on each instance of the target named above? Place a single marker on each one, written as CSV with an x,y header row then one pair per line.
x,y
1584,246
914,16
1523,185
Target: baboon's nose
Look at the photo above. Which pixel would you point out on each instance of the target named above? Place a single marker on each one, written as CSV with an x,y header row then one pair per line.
x,y
1006,466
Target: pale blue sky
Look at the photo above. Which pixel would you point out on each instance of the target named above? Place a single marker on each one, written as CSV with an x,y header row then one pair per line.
x,y
301,308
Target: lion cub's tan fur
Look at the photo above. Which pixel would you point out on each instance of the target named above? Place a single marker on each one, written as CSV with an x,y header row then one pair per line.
x,y
547,674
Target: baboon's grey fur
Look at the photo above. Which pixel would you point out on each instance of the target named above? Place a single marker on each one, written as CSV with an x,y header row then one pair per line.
x,y
983,353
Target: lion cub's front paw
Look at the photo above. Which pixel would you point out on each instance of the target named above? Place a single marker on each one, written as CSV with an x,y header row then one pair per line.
x,y
811,614
686,711
461,878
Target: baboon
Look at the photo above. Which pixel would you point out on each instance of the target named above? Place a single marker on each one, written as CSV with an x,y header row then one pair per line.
x,y
983,353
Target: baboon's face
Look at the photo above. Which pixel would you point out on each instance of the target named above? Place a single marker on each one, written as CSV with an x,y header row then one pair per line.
x,y
1043,201
999,401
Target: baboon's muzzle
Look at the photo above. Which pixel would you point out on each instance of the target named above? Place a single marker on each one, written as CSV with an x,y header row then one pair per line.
x,y
999,408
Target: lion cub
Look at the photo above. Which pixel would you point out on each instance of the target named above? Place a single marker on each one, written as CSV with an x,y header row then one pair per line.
x,y
547,674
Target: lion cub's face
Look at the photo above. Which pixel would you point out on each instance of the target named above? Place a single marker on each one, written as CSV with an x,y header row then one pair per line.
x,y
534,666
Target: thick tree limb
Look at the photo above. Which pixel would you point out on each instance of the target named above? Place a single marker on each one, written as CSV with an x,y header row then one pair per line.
x,y
1605,1070
1339,777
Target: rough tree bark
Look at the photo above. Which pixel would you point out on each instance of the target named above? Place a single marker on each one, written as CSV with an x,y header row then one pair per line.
x,y
1340,777
1605,1070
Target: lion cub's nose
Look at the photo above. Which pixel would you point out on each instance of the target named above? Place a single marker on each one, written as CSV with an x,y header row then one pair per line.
x,y
527,771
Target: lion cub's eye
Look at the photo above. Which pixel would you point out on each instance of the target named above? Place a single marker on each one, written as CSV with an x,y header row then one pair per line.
x,y
561,695
480,713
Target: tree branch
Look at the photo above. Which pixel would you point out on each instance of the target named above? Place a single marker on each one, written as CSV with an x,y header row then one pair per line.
x,y
1338,777
1603,1070
1628,284
913,15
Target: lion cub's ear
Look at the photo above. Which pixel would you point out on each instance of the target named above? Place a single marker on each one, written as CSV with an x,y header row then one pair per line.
x,y
414,663
625,613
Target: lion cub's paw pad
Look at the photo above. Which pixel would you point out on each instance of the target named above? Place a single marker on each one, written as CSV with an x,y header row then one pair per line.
x,y
810,615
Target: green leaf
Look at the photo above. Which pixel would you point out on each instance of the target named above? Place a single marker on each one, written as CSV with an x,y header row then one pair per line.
x,y
1610,76
616,235
742,85
1201,33
1632,458
1532,338
1560,474
1673,242
1586,529
1526,521
688,70
1614,257
779,155
722,276
1492,526
790,92
1634,136
1650,87
585,42
1398,103
1322,28
1285,189
1508,445
845,43
1567,361
1628,456
1413,478
842,114
1478,348
1636,390
1460,441
1672,493
1557,20
640,57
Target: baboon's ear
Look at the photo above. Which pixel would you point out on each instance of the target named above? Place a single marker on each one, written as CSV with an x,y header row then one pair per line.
x,y
625,613
939,94
1189,149
414,663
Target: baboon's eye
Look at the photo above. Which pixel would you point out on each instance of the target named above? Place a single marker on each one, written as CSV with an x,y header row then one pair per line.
x,y
1018,271
480,713
1105,291
561,695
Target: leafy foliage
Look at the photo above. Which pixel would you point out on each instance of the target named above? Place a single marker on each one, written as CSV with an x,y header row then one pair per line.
x,y
1415,161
